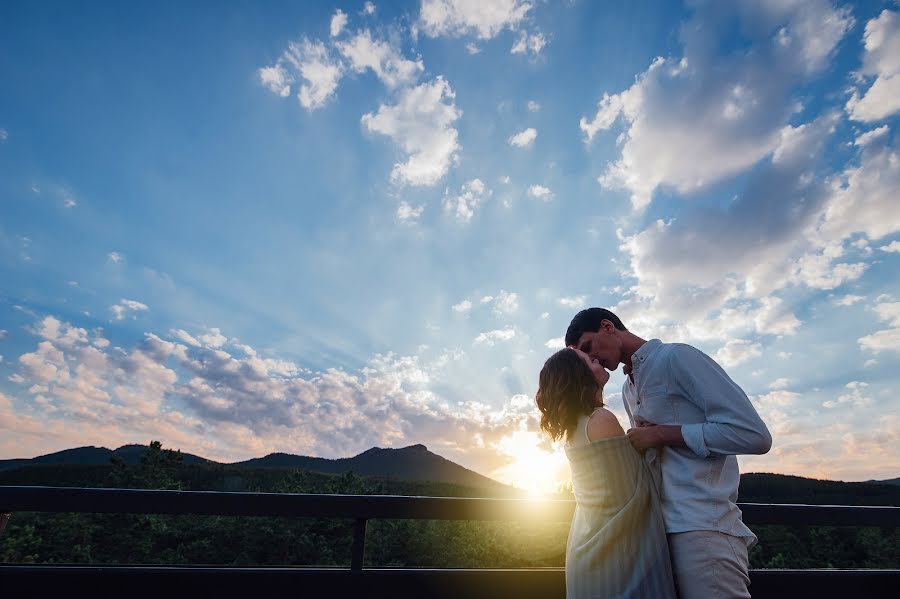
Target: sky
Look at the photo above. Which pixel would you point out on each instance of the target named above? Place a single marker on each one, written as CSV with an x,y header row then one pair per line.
x,y
240,228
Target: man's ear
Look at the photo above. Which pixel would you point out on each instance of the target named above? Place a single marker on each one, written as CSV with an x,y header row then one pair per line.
x,y
607,326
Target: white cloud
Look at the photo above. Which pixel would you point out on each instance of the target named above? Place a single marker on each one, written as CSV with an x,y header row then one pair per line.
x,y
421,123
893,247
483,18
738,351
313,63
887,339
338,22
4,135
848,300
505,179
881,59
407,213
855,398
505,303
369,8
523,139
863,198
462,307
864,139
540,192
490,338
780,383
694,120
471,195
576,302
529,42
557,343
214,338
126,306
3,333
277,79
533,106
472,49
382,58
115,257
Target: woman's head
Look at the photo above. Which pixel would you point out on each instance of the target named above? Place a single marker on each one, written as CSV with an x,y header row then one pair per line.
x,y
570,385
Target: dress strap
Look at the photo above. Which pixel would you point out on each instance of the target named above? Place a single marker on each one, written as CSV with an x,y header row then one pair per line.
x,y
587,421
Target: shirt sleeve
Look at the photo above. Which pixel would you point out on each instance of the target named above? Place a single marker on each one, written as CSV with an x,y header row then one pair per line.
x,y
731,425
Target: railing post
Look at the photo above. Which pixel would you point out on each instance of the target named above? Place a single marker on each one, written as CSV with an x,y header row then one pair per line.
x,y
358,552
4,519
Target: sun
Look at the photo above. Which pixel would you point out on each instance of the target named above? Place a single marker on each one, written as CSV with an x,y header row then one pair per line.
x,y
533,469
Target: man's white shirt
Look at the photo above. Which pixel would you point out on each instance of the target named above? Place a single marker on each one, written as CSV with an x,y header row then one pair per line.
x,y
677,384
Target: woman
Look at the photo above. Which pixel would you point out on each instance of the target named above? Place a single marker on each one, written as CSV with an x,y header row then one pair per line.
x,y
617,541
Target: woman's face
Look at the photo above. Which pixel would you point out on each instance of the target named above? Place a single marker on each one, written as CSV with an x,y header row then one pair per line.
x,y
600,373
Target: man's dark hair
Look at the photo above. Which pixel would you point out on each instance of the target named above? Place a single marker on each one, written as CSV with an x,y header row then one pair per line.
x,y
588,321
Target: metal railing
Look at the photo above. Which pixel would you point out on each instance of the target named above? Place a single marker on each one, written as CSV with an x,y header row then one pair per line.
x,y
362,508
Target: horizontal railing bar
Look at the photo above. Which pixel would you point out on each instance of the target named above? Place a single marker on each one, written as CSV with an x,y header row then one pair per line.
x,y
140,501
109,581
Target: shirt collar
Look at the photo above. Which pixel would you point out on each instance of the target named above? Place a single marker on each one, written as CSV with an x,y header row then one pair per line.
x,y
642,353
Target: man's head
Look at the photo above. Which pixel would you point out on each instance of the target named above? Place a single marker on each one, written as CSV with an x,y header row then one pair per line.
x,y
598,333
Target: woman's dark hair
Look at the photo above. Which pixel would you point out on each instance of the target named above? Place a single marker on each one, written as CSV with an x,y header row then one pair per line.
x,y
588,321
566,390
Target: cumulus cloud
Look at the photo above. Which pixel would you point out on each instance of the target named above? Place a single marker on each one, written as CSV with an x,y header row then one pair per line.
x,y
421,122
533,106
529,42
848,300
854,398
233,405
576,302
310,62
540,192
407,213
893,247
693,120
886,339
557,343
504,303
462,307
490,338
523,139
126,307
384,59
738,351
369,8
881,60
338,22
482,18
470,197
115,257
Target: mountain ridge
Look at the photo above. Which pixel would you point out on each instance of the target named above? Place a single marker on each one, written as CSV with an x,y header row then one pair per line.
x,y
413,462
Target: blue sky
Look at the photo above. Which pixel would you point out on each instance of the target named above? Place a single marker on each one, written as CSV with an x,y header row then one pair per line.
x,y
315,228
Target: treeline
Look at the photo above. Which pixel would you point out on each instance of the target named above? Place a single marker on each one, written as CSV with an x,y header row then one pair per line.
x,y
245,541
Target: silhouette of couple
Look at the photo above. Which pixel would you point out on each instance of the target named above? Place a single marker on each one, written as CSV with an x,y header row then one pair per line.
x,y
656,512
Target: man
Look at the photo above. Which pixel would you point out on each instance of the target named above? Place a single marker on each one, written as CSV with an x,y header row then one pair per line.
x,y
680,401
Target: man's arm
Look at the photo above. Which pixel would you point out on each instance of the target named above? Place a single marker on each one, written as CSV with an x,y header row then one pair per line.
x,y
731,425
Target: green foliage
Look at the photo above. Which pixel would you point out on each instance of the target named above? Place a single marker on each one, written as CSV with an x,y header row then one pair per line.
x,y
159,539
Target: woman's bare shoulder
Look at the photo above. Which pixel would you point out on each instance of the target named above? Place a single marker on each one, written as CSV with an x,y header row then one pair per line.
x,y
603,424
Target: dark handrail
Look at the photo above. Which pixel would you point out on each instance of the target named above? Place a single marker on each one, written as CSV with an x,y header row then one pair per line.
x,y
362,508
367,507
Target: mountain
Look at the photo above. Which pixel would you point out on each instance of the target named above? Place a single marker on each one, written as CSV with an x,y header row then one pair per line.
x,y
407,463
890,481
93,456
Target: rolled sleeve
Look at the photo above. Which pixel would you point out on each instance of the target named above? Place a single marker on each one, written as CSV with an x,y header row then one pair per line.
x,y
693,438
731,424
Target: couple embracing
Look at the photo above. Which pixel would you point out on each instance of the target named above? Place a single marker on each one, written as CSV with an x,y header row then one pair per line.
x,y
655,506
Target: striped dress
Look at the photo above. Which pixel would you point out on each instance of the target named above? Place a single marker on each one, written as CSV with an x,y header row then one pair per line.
x,y
617,542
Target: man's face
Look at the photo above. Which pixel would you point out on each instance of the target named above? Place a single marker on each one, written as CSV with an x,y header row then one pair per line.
x,y
604,346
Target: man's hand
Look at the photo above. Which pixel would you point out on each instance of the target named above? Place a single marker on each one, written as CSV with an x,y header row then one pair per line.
x,y
649,435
